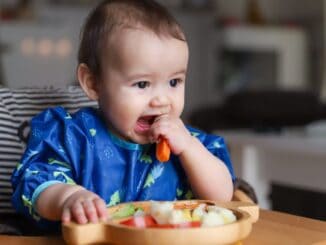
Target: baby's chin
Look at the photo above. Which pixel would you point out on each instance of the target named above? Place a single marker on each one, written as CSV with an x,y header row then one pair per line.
x,y
142,140
137,138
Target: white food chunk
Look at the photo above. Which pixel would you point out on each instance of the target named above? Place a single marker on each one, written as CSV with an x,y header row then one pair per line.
x,y
161,211
198,212
212,219
176,217
139,212
227,214
216,208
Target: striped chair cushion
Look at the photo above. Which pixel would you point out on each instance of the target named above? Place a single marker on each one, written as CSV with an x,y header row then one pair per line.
x,y
18,106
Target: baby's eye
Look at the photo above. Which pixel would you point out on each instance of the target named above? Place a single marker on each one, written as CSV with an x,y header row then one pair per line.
x,y
142,84
174,82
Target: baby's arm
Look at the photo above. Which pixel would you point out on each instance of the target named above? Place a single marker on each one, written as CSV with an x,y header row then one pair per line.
x,y
208,176
70,202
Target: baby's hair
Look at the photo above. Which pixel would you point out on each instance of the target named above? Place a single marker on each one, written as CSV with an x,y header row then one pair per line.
x,y
111,16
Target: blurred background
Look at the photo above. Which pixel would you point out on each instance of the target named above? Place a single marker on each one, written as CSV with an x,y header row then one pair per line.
x,y
256,76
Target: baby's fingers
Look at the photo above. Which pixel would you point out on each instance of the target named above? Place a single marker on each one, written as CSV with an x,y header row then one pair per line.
x,y
90,211
66,215
78,213
101,209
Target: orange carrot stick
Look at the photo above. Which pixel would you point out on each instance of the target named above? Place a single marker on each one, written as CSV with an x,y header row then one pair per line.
x,y
163,150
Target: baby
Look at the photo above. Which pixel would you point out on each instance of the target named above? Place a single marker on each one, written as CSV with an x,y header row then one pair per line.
x,y
133,60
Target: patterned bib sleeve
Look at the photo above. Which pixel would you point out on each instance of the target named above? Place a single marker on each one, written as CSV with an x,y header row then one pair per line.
x,y
217,146
46,161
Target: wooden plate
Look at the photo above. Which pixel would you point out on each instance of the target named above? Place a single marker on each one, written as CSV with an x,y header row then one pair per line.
x,y
113,233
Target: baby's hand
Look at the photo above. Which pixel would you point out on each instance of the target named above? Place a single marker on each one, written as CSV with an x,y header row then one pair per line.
x,y
82,207
173,130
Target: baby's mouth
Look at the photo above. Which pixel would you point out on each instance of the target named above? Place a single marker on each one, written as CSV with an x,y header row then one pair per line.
x,y
144,123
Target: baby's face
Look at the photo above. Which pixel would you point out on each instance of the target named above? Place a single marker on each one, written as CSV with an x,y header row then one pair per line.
x,y
144,77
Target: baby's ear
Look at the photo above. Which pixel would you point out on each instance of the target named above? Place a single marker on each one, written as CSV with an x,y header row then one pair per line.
x,y
87,81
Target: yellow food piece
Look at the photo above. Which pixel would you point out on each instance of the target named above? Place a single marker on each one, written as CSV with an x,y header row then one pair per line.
x,y
196,218
187,214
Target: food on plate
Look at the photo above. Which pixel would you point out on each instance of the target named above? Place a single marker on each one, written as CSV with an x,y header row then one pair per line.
x,y
163,150
169,215
125,211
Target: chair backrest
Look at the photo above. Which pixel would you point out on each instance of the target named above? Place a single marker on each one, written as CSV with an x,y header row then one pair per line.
x,y
17,107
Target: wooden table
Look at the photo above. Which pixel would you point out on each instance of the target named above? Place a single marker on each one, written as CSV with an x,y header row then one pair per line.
x,y
280,228
272,228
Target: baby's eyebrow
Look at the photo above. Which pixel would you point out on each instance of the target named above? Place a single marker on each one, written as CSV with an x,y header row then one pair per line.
x,y
137,76
182,71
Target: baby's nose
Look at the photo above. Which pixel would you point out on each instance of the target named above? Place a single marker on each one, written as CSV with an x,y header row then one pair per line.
x,y
160,101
